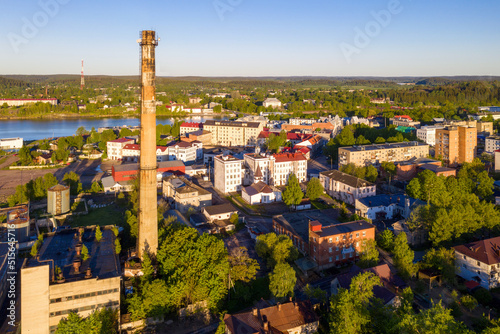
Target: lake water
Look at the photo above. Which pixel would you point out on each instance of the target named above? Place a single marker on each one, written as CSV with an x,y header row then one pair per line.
x,y
32,129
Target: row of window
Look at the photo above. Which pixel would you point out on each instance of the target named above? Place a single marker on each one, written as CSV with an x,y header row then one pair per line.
x,y
84,308
83,295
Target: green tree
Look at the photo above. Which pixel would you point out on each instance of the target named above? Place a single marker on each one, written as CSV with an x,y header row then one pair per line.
x,y
385,240
443,260
403,256
361,140
315,293
275,142
379,140
243,268
371,174
314,189
413,188
282,280
85,253
73,181
96,187
369,256
275,249
293,195
349,308
74,324
81,131
390,169
25,156
98,234
147,267
234,218
118,246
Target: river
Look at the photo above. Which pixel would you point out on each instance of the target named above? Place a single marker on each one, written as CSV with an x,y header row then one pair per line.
x,y
33,129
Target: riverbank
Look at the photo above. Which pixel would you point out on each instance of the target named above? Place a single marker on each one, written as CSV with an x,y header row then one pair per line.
x,y
93,116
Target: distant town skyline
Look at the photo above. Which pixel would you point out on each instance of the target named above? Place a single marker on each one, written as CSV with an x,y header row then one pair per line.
x,y
253,38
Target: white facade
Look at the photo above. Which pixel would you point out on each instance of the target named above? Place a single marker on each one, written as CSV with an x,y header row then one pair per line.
x,y
186,152
346,188
132,152
272,102
283,169
428,134
260,193
302,121
228,173
23,102
471,269
491,144
115,148
11,143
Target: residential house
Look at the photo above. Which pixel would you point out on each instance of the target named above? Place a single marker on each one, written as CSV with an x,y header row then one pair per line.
x,y
291,317
260,193
345,187
386,206
479,261
184,195
219,212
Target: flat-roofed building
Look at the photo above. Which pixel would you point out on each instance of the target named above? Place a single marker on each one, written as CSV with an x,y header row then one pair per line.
x,y
188,152
375,154
319,234
11,143
233,133
228,173
427,134
115,147
184,194
345,187
188,127
491,144
23,102
82,286
286,164
456,144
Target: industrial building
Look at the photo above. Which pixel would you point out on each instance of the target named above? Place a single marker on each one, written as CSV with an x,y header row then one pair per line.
x,y
23,102
58,200
11,143
59,280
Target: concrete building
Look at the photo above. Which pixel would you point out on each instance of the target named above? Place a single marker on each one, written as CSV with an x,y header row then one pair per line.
x,y
58,200
479,262
128,172
427,134
272,102
23,102
147,239
228,173
491,144
219,212
82,286
456,144
407,170
302,121
188,127
183,194
345,187
286,164
11,143
258,167
375,154
187,152
291,317
115,147
233,133
386,206
319,234
203,136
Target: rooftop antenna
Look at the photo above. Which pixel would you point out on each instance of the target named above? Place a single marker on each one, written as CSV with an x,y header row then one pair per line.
x,y
82,81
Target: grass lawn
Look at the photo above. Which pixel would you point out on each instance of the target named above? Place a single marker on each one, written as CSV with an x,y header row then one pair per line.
x,y
321,206
110,215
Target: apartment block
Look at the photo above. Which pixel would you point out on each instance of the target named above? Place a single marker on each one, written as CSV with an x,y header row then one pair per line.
x,y
132,152
115,147
189,127
320,235
491,144
286,164
81,286
232,133
188,152
365,155
456,144
228,173
345,187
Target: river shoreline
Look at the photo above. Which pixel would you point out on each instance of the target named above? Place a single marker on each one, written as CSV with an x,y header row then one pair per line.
x,y
126,116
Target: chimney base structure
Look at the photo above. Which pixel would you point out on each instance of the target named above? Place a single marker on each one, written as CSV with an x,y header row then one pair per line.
x,y
147,240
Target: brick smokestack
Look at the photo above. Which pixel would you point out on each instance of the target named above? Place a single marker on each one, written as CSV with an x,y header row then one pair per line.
x,y
147,240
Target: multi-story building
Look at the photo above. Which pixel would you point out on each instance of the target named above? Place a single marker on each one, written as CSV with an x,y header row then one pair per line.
x,y
115,147
132,152
456,144
188,127
326,240
479,261
291,317
233,133
302,121
345,187
11,143
365,155
258,168
427,134
481,126
286,164
184,194
82,285
188,152
228,173
491,144
23,102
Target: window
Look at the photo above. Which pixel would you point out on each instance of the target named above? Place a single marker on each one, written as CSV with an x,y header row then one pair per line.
x,y
357,235
337,239
336,257
478,264
364,233
330,249
337,248
330,240
330,259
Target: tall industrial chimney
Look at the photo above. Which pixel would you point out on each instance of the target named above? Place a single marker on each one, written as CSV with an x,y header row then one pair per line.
x,y
147,240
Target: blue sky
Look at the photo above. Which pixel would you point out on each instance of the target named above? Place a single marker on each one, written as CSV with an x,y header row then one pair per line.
x,y
253,37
